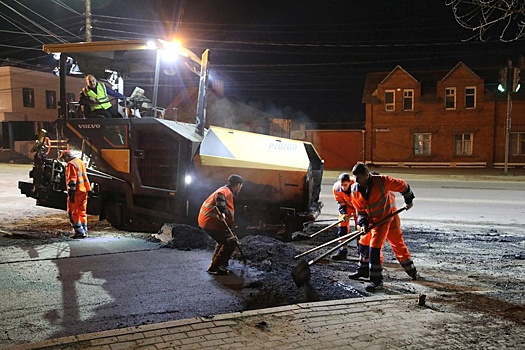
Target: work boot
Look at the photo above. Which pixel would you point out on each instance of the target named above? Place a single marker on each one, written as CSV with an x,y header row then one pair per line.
x,y
217,270
413,274
374,286
360,273
78,235
340,255
410,269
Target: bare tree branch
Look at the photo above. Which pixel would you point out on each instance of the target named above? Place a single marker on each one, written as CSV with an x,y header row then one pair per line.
x,y
488,18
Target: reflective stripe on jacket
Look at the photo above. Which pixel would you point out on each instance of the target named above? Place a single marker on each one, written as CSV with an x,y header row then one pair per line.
x,y
380,202
76,176
208,214
101,95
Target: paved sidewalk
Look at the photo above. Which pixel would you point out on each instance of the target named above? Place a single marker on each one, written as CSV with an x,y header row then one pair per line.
x,y
377,322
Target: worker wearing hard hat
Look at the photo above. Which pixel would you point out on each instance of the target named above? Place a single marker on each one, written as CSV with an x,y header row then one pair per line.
x,y
341,191
96,95
217,226
77,191
374,200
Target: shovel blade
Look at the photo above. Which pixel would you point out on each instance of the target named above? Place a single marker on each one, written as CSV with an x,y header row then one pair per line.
x,y
301,273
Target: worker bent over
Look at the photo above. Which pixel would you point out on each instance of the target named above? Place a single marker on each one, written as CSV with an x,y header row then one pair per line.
x,y
342,191
213,224
373,198
77,191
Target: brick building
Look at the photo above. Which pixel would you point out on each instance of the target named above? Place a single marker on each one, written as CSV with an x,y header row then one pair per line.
x,y
29,102
441,118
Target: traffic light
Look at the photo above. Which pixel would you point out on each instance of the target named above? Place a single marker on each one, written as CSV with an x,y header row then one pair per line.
x,y
516,80
509,79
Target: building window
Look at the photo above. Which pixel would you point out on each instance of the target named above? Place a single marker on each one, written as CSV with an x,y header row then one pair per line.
x,y
28,97
70,97
463,144
408,100
422,143
517,143
390,100
51,99
470,97
450,98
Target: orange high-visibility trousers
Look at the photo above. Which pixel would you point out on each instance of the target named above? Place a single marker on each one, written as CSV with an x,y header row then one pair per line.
x,y
394,235
77,211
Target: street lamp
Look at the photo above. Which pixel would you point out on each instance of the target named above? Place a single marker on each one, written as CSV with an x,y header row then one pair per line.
x,y
175,47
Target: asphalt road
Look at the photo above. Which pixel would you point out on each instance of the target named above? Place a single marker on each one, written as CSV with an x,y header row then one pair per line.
x,y
471,198
62,288
52,289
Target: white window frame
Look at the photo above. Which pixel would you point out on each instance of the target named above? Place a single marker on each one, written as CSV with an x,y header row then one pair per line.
x,y
463,144
517,143
473,95
390,106
408,94
422,144
450,96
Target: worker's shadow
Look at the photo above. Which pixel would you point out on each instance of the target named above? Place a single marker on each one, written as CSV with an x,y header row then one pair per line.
x,y
90,292
70,272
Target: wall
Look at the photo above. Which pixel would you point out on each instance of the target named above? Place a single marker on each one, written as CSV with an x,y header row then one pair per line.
x,y
340,149
14,79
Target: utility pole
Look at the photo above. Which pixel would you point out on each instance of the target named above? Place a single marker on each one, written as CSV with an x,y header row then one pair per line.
x,y
509,83
507,122
88,21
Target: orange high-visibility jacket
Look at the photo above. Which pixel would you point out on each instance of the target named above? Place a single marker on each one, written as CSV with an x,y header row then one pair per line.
x,y
208,214
343,198
76,176
379,203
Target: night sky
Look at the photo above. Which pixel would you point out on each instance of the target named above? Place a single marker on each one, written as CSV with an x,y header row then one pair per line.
x,y
306,60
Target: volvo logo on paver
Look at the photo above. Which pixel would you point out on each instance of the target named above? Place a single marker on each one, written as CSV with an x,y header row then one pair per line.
x,y
89,126
279,146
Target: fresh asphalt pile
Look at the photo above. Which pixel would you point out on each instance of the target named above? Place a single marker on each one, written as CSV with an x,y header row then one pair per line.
x,y
275,261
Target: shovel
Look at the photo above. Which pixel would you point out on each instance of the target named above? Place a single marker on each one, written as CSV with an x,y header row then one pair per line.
x,y
326,244
233,234
301,273
326,228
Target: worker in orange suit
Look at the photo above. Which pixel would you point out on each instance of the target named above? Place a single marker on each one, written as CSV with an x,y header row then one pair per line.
x,y
341,191
373,198
214,223
78,188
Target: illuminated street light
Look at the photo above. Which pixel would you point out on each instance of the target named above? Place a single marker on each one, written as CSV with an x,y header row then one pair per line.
x,y
176,48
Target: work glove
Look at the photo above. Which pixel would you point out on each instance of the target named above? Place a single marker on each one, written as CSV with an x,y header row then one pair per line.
x,y
232,238
346,217
71,195
409,196
362,222
342,210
